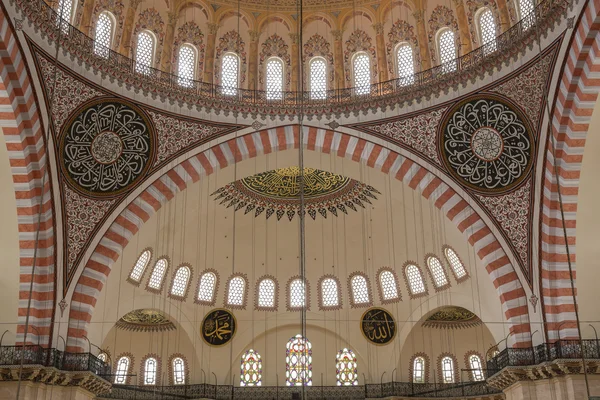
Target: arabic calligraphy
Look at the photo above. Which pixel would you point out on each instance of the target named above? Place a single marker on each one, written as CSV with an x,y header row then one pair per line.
x,y
378,326
218,327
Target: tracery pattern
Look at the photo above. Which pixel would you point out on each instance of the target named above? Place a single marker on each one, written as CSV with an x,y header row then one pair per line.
x,y
191,33
359,40
274,46
251,369
487,145
441,17
346,368
231,41
298,362
151,20
318,46
400,32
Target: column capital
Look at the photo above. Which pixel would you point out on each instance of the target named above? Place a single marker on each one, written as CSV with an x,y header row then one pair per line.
x,y
212,28
419,15
378,28
295,38
134,3
254,35
172,18
337,34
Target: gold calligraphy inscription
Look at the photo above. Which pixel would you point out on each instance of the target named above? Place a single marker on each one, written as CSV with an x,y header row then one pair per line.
x,y
218,327
378,326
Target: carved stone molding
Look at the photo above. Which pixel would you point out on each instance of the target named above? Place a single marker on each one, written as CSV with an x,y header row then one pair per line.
x,y
52,376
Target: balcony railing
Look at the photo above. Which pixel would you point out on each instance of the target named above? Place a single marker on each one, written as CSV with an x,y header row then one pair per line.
x,y
425,83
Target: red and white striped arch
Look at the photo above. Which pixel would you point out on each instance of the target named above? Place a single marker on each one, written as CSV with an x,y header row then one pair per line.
x,y
110,247
572,113
23,133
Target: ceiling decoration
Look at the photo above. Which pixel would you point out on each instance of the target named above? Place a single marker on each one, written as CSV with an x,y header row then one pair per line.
x,y
145,320
106,147
487,144
278,192
452,317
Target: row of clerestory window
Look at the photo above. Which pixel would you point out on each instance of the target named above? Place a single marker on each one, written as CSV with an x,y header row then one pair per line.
x,y
150,369
298,289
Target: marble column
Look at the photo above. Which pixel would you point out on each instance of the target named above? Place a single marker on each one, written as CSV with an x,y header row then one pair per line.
x,y
86,17
381,55
338,59
209,55
253,60
423,40
125,45
463,27
295,38
167,51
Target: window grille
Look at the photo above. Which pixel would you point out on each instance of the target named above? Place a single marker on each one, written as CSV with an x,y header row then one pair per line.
x,y
362,73
104,32
406,65
415,280
158,274
455,263
144,52
360,290
476,368
150,371
235,293
318,79
178,371
206,288
266,293
186,65
274,79
487,29
180,282
437,272
298,362
389,286
346,368
140,266
297,294
230,69
64,12
251,369
122,370
329,293
419,370
447,370
447,50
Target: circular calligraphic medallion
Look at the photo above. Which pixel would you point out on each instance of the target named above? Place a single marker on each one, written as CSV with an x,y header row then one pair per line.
x,y
487,144
106,147
218,327
378,326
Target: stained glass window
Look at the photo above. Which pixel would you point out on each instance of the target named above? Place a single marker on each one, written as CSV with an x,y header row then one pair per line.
x,y
180,282
274,79
455,263
437,272
361,67
360,289
526,13
122,370
447,50
406,65
266,293
318,78
389,286
487,30
140,266
206,288
251,369
235,291
144,52
419,370
476,369
329,293
104,33
230,69
150,371
64,12
186,65
415,280
298,362
447,370
158,274
346,368
102,357
178,371
297,294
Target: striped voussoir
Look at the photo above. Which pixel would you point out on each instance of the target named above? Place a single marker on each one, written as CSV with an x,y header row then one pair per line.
x,y
95,273
576,96
22,129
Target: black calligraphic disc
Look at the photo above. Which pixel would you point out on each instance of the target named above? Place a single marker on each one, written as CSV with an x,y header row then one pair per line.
x,y
218,327
378,326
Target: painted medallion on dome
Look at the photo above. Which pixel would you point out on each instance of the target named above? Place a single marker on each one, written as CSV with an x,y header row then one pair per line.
x,y
145,320
452,317
487,144
106,147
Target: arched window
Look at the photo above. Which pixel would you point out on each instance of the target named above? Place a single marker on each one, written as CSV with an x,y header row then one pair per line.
x,y
186,65
178,365
476,367
415,280
346,368
405,64
329,295
458,269
251,369
266,295
140,266
180,282
447,365
122,370
230,71
102,357
388,286
297,295
419,370
298,362
64,13
236,292
318,78
207,286
150,366
274,79
440,280
104,34
158,275
359,286
526,13
487,30
447,49
361,69
144,54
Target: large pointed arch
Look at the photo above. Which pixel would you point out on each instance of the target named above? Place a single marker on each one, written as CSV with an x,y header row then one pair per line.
x,y
95,273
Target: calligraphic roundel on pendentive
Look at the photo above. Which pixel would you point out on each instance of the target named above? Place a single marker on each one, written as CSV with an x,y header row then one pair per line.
x,y
487,143
106,147
378,326
218,327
